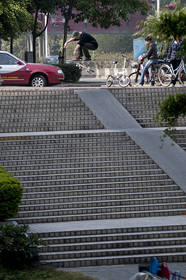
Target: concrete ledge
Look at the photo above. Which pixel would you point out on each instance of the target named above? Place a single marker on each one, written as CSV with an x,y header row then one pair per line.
x,y
109,224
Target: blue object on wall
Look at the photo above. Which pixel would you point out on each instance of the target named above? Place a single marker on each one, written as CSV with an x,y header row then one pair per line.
x,y
138,47
154,266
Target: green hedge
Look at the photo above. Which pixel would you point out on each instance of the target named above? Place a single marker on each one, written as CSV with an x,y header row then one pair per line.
x,y
71,71
10,195
18,247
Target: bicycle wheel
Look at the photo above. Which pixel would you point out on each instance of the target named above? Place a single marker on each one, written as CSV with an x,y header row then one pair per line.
x,y
134,78
109,81
165,75
124,81
182,77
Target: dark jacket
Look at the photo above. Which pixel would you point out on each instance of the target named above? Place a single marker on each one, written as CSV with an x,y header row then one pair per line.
x,y
151,51
173,50
86,38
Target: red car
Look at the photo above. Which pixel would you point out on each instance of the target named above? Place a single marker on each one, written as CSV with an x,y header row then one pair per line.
x,y
14,71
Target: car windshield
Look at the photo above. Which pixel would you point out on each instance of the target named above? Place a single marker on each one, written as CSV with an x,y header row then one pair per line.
x,y
6,59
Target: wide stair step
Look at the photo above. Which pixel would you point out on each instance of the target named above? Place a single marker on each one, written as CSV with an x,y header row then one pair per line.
x,y
113,246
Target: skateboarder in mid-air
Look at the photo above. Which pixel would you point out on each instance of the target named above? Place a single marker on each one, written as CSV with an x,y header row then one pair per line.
x,y
85,42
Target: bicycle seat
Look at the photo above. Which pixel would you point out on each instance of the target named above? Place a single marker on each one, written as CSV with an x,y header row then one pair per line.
x,y
115,62
161,60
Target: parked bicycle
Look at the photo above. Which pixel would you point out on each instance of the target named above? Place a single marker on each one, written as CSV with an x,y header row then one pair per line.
x,y
150,77
167,73
121,78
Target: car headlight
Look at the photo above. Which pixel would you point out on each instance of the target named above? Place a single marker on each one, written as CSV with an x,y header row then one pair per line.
x,y
60,71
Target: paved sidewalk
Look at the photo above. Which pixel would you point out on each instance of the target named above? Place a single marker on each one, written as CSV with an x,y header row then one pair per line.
x,y
120,272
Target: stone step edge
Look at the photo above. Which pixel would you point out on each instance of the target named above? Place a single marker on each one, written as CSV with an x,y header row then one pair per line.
x,y
109,206
95,215
143,167
115,250
100,170
118,234
139,156
108,185
115,259
102,201
95,201
155,239
53,133
152,177
104,224
134,163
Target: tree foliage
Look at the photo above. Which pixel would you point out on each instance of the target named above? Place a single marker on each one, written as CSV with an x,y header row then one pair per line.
x,y
172,108
169,24
107,12
173,23
14,18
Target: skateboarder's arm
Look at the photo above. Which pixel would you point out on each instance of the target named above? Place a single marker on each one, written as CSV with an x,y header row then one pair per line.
x,y
68,42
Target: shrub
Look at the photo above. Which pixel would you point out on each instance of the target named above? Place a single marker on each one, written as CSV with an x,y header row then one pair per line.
x,y
71,71
17,246
2,170
172,108
10,195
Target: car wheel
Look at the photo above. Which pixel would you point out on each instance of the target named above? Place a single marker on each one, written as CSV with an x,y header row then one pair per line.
x,y
38,81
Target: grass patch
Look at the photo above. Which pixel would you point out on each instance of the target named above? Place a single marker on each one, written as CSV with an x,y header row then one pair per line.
x,y
40,273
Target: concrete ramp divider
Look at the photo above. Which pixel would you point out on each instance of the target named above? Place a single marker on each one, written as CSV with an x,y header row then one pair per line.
x,y
164,151
167,154
107,109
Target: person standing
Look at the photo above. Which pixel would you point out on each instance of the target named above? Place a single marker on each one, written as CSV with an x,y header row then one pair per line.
x,y
85,42
152,57
174,56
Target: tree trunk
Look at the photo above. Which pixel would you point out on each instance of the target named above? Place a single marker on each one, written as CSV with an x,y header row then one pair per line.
x,y
36,34
11,45
63,58
34,47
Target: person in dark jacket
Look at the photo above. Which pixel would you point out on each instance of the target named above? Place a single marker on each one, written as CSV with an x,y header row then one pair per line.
x,y
173,55
85,43
152,56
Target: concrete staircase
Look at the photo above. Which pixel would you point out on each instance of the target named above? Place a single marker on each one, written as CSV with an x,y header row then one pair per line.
x,y
88,176
44,110
143,105
179,136
94,195
114,246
